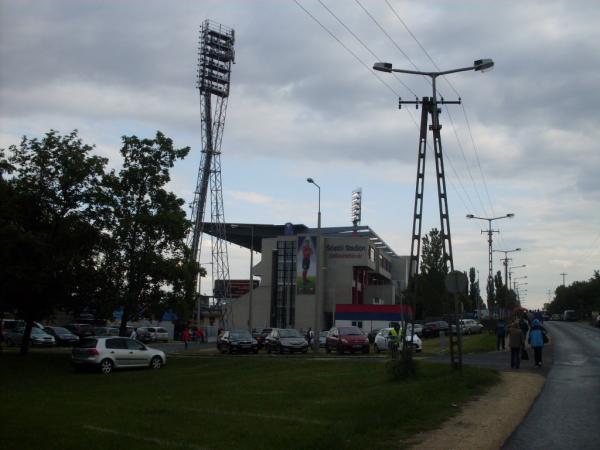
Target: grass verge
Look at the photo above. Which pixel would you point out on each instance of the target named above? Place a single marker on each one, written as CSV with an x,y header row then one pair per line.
x,y
476,343
225,402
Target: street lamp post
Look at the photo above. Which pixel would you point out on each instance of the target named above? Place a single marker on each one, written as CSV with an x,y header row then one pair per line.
x,y
490,233
506,259
510,273
319,293
199,294
430,106
251,285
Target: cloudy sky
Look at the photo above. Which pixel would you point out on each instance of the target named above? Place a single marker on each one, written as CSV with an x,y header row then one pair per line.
x,y
304,103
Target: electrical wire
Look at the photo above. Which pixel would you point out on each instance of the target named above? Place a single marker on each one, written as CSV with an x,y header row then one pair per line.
x,y
347,49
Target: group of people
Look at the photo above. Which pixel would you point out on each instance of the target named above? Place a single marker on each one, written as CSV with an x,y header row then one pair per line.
x,y
188,335
519,332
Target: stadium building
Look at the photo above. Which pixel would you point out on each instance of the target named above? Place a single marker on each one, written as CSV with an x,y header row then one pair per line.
x,y
358,269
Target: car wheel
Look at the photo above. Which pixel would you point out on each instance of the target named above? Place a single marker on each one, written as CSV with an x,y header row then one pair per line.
x,y
376,348
269,349
229,350
156,362
280,349
305,350
327,349
366,350
106,366
339,349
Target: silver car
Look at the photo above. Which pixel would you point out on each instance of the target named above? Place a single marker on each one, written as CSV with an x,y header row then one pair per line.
x,y
38,337
108,353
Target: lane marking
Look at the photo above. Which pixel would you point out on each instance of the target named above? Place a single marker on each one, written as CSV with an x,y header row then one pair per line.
x,y
157,441
259,416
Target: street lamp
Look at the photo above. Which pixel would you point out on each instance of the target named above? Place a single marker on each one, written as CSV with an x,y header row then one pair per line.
x,y
510,272
505,259
490,233
200,293
318,299
251,291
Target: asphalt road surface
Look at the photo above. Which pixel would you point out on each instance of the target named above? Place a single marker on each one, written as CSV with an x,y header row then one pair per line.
x,y
566,415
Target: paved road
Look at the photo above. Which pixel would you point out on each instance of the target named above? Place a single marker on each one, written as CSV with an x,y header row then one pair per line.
x,y
566,415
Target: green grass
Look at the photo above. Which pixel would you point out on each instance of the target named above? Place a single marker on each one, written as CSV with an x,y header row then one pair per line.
x,y
477,343
225,402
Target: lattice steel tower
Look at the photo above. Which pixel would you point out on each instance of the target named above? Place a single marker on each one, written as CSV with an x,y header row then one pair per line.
x,y
215,56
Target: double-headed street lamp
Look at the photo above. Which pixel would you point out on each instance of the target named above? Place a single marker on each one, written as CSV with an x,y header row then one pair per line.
x,y
490,233
505,259
510,269
318,299
430,106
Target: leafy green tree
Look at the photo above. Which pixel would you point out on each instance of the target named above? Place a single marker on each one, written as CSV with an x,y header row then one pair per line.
x,y
491,294
432,298
147,265
49,230
582,296
474,294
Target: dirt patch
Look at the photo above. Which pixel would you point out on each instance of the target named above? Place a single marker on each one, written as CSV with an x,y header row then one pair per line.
x,y
489,420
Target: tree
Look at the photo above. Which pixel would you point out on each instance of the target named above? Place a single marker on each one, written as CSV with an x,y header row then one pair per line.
x,y
432,298
491,294
146,264
48,224
474,294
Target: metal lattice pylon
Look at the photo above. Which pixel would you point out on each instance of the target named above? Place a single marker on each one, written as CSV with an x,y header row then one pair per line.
x,y
215,56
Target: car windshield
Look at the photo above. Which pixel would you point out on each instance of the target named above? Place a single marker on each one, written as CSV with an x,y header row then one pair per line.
x,y
37,332
240,335
350,331
289,334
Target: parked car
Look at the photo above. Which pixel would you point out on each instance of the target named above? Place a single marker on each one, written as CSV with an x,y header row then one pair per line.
x,y
382,341
237,341
418,329
343,339
106,331
286,340
468,326
323,338
260,336
371,335
61,335
38,337
433,329
570,315
80,329
108,353
152,334
555,317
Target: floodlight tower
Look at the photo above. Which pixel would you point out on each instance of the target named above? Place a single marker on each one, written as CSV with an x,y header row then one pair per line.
x,y
215,56
356,208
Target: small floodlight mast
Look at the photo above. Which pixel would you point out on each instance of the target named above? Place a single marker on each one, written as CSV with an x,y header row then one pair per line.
x,y
215,56
356,208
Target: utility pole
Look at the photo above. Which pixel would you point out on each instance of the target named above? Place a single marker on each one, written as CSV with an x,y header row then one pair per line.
x,y
490,234
564,275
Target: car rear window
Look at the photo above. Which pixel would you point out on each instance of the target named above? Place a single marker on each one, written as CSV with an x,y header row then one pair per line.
x,y
87,343
161,330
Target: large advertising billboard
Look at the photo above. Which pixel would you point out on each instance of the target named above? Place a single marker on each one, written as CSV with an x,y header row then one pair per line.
x,y
306,265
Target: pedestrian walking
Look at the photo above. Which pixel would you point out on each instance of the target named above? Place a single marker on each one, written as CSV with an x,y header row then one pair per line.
x,y
537,339
186,337
524,325
500,334
133,334
309,336
516,342
200,335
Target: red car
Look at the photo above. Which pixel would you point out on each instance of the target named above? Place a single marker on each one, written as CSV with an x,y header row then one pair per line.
x,y
343,339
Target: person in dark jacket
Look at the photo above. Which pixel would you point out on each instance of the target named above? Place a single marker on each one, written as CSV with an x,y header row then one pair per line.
x,y
500,334
524,325
536,340
516,342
